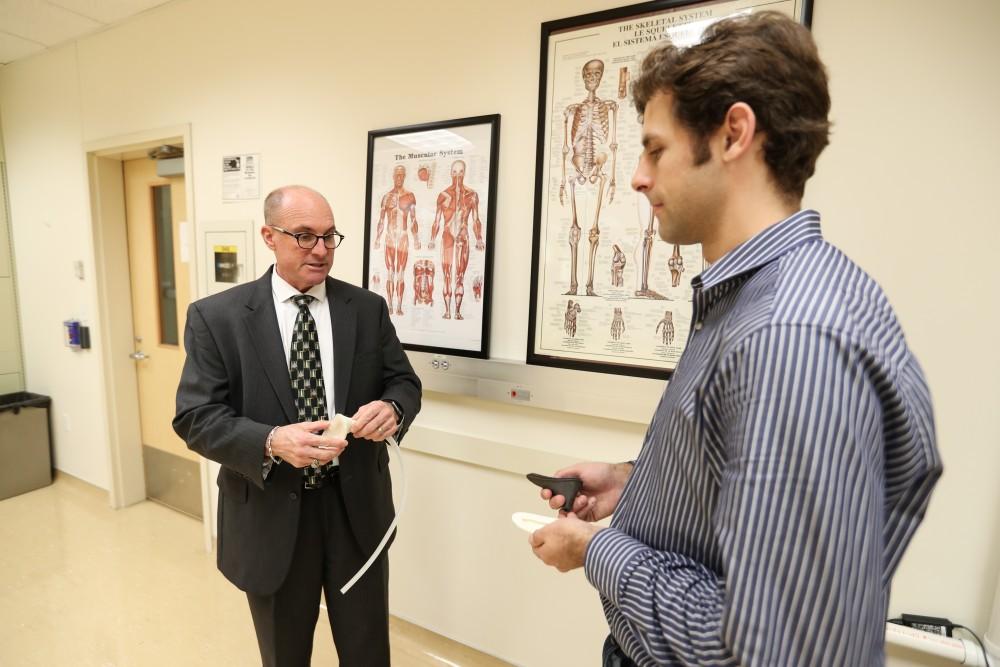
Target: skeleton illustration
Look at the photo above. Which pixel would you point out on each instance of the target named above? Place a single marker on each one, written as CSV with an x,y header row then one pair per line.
x,y
676,266
617,266
668,327
622,82
455,205
647,254
569,321
423,282
477,287
590,127
617,325
399,206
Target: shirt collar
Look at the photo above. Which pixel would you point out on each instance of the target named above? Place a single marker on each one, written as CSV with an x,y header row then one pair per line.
x,y
763,248
283,291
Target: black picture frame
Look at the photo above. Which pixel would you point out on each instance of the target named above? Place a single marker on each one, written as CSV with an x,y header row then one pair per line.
x,y
618,38
453,200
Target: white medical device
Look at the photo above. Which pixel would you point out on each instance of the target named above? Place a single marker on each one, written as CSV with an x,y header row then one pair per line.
x,y
339,427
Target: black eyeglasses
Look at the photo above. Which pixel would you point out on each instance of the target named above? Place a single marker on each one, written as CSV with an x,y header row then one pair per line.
x,y
308,240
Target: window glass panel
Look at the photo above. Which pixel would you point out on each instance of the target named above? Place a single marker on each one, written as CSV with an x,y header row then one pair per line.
x,y
167,286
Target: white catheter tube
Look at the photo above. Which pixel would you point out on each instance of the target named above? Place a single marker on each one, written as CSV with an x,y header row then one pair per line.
x,y
392,526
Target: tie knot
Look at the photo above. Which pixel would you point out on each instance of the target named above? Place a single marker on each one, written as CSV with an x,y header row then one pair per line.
x,y
302,300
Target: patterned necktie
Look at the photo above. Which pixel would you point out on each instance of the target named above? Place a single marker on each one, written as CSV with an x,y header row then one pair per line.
x,y
305,369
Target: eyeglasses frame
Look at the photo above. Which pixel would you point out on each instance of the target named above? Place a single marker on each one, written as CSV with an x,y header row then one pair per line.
x,y
298,238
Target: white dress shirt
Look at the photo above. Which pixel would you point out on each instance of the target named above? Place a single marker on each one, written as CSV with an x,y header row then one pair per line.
x,y
319,308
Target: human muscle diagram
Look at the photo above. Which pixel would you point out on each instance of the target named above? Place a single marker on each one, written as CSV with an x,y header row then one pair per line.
x,y
425,173
477,287
456,206
423,282
399,214
433,242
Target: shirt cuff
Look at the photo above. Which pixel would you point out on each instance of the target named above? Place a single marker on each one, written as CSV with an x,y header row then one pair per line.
x,y
610,555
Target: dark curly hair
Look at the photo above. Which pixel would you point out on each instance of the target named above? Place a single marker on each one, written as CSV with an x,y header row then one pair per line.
x,y
766,60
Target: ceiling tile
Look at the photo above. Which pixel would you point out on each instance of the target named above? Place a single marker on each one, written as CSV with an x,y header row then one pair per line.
x,y
107,11
12,48
43,22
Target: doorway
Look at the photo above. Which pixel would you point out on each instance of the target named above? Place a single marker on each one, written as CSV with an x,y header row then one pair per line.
x,y
142,226
155,208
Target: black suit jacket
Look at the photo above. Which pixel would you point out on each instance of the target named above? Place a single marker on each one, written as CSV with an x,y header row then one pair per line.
x,y
235,388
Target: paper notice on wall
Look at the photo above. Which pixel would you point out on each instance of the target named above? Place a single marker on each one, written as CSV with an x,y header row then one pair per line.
x,y
241,177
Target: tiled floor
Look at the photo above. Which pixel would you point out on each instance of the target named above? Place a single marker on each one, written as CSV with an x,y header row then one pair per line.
x,y
84,585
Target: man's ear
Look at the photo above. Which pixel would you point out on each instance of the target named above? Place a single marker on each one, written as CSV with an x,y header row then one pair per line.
x,y
738,131
267,234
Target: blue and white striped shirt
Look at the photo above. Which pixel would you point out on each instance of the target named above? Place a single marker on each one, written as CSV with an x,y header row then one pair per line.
x,y
790,459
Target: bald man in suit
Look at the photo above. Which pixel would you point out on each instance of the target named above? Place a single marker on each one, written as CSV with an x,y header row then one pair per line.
x,y
268,364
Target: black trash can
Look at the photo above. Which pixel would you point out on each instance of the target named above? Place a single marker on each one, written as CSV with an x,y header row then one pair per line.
x,y
25,443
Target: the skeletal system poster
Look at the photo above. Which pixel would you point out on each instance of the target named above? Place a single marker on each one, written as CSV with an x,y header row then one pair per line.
x,y
607,293
429,231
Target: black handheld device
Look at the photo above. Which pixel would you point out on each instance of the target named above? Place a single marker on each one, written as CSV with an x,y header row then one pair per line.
x,y
567,487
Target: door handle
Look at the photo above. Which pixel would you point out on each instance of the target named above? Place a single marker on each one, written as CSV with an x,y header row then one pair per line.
x,y
139,356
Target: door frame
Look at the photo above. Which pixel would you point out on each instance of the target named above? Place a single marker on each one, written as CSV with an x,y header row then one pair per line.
x,y
104,159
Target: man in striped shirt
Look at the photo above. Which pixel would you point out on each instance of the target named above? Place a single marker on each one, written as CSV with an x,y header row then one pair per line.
x,y
792,454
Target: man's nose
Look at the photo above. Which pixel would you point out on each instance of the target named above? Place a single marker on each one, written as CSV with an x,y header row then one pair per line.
x,y
640,178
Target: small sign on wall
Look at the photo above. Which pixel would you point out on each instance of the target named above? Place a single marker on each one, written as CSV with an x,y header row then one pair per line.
x,y
226,264
228,259
240,177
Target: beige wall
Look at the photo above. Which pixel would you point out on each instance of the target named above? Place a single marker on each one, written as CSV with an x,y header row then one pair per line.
x,y
11,371
50,230
906,186
906,189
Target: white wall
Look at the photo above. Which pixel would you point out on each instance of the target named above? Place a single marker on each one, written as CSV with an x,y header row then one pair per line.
x,y
11,369
908,189
905,187
50,230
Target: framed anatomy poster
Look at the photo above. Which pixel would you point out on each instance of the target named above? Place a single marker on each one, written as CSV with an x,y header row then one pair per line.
x,y
429,228
607,294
